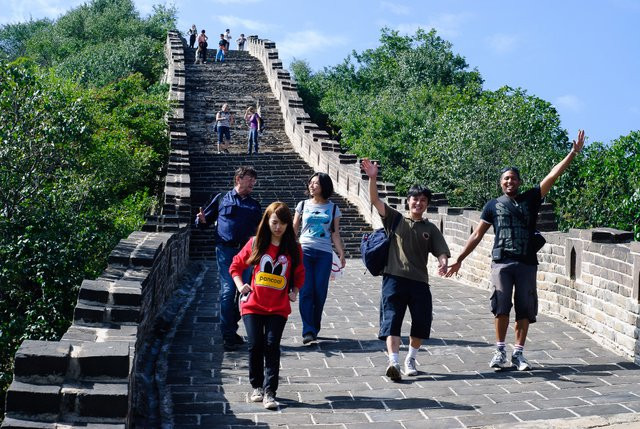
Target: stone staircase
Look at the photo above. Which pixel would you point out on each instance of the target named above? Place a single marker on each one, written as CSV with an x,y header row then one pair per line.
x,y
282,173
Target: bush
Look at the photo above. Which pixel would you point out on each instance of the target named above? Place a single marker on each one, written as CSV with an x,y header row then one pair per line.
x,y
82,139
412,104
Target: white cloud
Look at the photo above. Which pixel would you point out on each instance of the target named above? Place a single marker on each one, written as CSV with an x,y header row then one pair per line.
x,y
447,25
569,102
395,8
243,23
502,43
301,43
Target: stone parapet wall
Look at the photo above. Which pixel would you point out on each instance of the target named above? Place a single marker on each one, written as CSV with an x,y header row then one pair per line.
x,y
314,145
89,375
591,277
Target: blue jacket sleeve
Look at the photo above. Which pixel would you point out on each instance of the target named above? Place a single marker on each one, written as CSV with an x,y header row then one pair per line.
x,y
210,213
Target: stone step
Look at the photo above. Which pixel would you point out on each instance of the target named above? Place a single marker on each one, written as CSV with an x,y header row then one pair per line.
x,y
121,292
16,423
31,399
42,362
97,400
54,402
96,312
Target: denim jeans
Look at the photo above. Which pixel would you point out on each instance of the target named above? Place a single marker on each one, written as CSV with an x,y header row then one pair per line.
x,y
264,333
317,266
253,140
229,314
220,55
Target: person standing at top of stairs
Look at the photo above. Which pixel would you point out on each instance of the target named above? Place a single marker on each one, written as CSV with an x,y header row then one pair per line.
x,y
222,48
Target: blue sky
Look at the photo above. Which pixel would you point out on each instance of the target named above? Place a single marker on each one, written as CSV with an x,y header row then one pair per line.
x,y
582,56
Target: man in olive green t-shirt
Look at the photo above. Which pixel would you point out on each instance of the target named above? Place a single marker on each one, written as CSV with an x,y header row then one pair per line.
x,y
405,282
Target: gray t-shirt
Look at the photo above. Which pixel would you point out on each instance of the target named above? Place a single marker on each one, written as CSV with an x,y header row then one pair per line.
x,y
316,224
226,119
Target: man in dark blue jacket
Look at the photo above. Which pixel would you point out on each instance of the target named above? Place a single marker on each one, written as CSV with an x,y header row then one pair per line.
x,y
236,216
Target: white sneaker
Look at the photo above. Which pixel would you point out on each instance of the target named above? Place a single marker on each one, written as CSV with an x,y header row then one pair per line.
x,y
256,395
269,401
499,360
393,371
520,362
410,367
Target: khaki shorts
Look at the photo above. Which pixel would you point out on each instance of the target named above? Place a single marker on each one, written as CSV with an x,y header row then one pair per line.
x,y
504,277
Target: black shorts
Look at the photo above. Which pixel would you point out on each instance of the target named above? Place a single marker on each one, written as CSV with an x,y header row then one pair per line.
x,y
398,293
518,280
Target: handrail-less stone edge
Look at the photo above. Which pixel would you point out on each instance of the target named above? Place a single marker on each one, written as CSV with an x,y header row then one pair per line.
x,y
103,343
590,278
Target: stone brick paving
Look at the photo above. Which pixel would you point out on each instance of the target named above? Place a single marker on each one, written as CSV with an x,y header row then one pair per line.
x,y
339,382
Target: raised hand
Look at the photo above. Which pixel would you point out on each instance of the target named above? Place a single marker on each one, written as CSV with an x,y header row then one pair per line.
x,y
201,217
578,144
370,168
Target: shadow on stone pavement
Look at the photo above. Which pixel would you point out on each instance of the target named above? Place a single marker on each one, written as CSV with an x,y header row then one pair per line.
x,y
340,382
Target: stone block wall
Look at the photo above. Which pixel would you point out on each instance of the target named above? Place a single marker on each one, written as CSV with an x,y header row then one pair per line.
x,y
88,376
589,277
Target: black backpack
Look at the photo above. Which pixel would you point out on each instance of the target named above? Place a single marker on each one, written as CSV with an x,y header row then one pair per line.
x,y
374,248
260,124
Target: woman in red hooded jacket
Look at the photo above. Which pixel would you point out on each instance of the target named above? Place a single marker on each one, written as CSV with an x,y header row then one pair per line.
x,y
278,275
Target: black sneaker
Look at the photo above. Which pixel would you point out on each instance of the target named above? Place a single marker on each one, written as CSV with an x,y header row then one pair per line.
x,y
308,338
237,339
230,344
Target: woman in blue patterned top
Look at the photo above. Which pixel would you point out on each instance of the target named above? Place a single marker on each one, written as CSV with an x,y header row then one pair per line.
x,y
320,221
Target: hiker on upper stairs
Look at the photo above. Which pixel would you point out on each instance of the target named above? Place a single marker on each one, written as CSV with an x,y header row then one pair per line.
x,y
224,122
222,47
240,41
252,118
192,33
201,53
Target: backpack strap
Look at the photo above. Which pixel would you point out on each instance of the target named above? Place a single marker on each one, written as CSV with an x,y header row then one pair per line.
x,y
333,217
508,203
396,222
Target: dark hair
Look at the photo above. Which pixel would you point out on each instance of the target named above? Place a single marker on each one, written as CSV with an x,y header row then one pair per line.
x,y
244,171
514,169
288,243
417,190
226,29
202,31
326,184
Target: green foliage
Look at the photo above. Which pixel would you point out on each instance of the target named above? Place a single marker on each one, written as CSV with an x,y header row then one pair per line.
x,y
13,37
97,43
82,138
75,166
603,189
473,141
412,104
